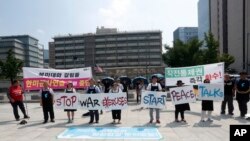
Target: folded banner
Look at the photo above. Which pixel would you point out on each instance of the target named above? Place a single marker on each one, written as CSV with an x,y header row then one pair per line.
x,y
180,95
57,79
153,99
195,74
213,92
100,101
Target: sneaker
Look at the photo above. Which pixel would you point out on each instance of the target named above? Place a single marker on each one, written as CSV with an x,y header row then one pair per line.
x,y
222,113
176,120
231,114
183,120
25,117
158,121
210,120
91,122
45,121
52,120
151,121
97,122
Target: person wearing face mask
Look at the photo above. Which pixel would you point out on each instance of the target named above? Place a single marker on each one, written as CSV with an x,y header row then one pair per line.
x,y
242,87
228,97
47,101
116,114
93,89
15,95
70,112
180,108
207,106
154,86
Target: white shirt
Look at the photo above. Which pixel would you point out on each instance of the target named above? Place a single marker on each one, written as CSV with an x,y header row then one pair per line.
x,y
120,86
156,84
115,91
72,89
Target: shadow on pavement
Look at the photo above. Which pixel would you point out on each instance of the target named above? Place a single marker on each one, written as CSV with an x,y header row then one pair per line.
x,y
177,124
206,124
9,122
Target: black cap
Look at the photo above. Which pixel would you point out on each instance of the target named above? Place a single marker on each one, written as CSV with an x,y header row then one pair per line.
x,y
154,76
243,73
179,82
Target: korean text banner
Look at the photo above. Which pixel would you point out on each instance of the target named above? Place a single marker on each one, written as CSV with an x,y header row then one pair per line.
x,y
195,74
104,101
57,79
180,95
213,92
153,99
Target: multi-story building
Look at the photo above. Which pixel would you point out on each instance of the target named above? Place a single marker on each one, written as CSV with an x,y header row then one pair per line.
x,y
52,55
46,58
122,53
229,21
24,48
185,33
203,18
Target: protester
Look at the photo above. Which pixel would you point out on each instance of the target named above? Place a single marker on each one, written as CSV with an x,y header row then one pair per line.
x,y
120,85
15,95
154,86
141,87
242,93
93,89
70,112
137,90
99,85
228,95
180,108
47,101
207,106
125,88
116,114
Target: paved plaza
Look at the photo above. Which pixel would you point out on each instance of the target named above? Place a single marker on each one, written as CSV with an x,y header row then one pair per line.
x,y
133,116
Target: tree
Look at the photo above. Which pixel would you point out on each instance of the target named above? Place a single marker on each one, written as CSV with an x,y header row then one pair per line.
x,y
11,67
228,59
211,54
183,54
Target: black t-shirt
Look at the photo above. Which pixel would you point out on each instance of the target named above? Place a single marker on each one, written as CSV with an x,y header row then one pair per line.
x,y
243,85
228,87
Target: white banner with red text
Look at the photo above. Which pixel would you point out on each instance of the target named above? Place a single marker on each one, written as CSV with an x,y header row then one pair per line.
x,y
195,74
100,101
33,78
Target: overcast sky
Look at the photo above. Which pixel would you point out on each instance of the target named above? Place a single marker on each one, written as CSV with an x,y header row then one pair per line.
x,y
43,19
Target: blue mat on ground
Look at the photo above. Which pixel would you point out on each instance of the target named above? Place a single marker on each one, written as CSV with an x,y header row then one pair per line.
x,y
111,133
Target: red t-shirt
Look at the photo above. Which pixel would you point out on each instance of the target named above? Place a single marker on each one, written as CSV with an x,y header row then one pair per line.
x,y
16,93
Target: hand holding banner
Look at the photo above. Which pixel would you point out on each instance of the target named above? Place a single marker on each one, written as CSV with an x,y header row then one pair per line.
x,y
211,92
180,95
153,99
